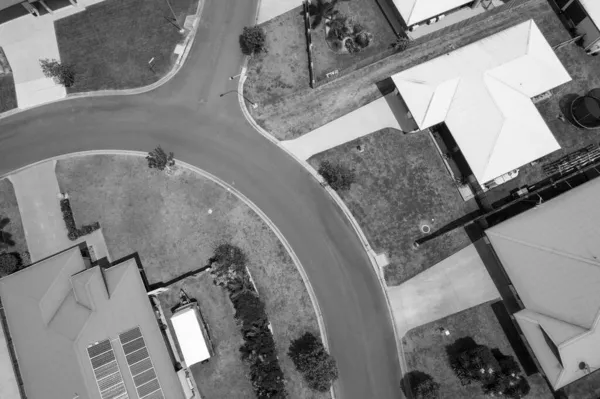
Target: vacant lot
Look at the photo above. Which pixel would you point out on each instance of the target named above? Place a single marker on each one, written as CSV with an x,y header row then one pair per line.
x,y
284,66
301,111
368,14
401,182
174,223
9,209
110,43
425,349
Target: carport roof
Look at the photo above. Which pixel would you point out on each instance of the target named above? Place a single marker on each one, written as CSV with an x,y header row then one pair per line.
x,y
4,4
552,258
415,11
483,93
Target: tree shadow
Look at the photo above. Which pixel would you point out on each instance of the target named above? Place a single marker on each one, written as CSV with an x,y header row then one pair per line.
x,y
5,237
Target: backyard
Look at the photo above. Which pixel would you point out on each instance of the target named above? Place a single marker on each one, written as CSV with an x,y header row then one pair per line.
x,y
284,66
425,349
124,36
175,222
10,220
361,16
401,183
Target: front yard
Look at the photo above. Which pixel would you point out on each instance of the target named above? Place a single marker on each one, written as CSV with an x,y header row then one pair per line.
x,y
401,183
174,223
10,220
425,349
110,43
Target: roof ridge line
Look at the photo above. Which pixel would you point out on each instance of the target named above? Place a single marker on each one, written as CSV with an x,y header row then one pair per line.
x,y
547,249
553,318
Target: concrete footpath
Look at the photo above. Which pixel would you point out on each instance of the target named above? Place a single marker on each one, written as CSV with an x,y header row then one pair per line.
x,y
457,283
368,119
37,191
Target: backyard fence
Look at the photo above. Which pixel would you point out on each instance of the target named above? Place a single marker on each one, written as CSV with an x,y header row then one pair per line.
x,y
307,29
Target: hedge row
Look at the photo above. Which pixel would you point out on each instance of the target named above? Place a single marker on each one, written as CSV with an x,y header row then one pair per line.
x,y
74,232
228,267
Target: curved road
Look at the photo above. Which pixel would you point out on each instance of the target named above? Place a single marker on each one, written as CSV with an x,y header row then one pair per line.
x,y
187,116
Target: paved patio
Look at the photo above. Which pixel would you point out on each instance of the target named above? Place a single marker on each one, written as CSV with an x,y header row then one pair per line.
x,y
269,9
459,282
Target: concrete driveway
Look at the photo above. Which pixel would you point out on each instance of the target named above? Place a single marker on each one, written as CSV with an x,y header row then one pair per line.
x,y
270,9
459,282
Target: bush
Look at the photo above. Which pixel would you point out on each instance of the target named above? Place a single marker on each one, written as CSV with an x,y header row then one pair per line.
x,y
73,232
9,263
400,44
421,385
63,74
252,40
159,159
228,267
312,360
337,176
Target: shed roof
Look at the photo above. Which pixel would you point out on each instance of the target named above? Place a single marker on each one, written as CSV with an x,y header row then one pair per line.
x,y
415,11
552,257
189,336
483,93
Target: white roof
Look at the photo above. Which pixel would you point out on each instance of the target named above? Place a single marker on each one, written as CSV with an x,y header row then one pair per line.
x,y
189,336
552,256
415,11
483,93
592,7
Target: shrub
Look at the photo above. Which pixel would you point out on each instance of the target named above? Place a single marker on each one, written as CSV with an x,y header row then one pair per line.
x,y
362,40
63,74
159,159
337,176
422,385
73,232
9,263
312,360
400,44
338,28
252,40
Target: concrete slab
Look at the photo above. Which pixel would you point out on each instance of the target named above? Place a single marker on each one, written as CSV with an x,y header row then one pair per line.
x,y
459,282
270,9
37,192
365,120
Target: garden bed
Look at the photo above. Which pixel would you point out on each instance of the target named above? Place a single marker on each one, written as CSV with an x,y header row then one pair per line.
x,y
283,68
401,183
110,43
425,350
330,56
9,209
175,222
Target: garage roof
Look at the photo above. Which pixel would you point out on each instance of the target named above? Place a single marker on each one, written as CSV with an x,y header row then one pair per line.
x,y
552,258
483,93
415,11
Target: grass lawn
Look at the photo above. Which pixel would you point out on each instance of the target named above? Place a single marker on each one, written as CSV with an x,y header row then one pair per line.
x,y
297,112
369,15
110,43
284,66
8,96
10,209
425,350
401,181
166,220
224,375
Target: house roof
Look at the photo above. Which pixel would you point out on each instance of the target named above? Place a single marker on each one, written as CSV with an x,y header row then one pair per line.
x,y
58,308
189,336
592,7
552,257
415,11
483,93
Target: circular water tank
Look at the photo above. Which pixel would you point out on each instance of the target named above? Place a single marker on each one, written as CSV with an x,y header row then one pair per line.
x,y
586,111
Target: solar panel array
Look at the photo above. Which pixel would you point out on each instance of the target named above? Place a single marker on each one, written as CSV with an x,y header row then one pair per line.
x,y
106,370
140,365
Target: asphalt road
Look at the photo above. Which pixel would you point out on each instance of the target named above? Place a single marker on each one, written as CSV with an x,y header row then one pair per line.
x,y
188,117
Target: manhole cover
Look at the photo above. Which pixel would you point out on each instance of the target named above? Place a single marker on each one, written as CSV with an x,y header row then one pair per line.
x,y
425,229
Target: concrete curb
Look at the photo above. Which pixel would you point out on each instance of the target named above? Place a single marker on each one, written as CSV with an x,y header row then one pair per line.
x,y
128,92
336,198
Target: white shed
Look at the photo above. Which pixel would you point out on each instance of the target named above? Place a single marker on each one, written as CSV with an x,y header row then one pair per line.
x,y
191,335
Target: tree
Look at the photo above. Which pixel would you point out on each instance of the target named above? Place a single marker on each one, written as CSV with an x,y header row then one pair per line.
x,y
9,263
337,176
312,360
320,10
252,40
63,74
159,159
5,237
421,385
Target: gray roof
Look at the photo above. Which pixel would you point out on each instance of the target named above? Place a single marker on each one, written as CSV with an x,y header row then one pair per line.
x,y
57,308
8,3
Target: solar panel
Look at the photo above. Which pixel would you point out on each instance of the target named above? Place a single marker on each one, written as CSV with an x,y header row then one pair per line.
x,y
106,370
140,365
